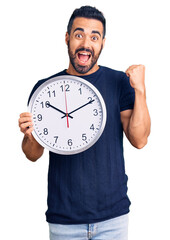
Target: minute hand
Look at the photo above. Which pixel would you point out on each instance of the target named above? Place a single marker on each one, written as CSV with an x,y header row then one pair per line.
x,y
80,107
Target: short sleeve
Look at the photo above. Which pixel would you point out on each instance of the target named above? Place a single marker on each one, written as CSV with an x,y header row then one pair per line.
x,y
127,94
34,89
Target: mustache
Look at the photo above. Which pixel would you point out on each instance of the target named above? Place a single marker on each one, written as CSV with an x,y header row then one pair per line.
x,y
84,49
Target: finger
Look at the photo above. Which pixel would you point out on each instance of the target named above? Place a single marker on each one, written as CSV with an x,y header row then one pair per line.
x,y
132,67
25,114
130,70
29,131
24,120
25,126
127,73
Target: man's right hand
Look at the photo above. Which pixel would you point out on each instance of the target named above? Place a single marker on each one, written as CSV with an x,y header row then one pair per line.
x,y
26,123
32,149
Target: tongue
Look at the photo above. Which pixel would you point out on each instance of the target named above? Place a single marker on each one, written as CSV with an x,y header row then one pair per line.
x,y
83,58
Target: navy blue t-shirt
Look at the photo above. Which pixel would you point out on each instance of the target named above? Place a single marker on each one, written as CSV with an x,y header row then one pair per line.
x,y
91,186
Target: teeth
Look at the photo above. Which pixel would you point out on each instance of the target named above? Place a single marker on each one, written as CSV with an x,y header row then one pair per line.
x,y
85,54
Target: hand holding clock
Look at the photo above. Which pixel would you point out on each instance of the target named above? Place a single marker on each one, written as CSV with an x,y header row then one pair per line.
x,y
32,149
25,123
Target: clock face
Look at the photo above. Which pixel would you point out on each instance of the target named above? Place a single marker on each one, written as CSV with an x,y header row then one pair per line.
x,y
69,114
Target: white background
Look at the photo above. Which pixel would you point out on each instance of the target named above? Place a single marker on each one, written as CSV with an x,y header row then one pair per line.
x,y
32,47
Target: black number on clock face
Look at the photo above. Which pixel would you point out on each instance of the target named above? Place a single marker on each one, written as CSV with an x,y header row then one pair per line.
x,y
95,112
45,131
66,88
39,117
92,127
84,137
50,94
56,138
45,105
70,143
80,90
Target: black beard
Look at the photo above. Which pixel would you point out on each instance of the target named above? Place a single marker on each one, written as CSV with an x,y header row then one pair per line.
x,y
83,69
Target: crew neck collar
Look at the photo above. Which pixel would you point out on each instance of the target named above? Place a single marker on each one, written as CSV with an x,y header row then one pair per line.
x,y
85,76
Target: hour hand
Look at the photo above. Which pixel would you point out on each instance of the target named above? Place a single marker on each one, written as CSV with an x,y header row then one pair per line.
x,y
57,109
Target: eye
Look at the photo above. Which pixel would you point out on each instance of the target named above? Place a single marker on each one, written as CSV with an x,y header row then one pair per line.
x,y
94,38
78,35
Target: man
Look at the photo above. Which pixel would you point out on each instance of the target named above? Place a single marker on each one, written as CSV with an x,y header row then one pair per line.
x,y
87,192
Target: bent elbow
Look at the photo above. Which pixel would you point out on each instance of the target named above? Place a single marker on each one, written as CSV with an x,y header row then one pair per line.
x,y
140,145
32,158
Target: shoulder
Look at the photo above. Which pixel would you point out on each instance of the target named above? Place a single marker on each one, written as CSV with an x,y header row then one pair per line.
x,y
113,73
52,76
114,76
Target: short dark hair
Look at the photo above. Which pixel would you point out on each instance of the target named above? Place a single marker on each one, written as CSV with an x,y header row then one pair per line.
x,y
87,12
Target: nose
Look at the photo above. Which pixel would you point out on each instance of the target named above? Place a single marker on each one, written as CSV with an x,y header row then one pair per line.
x,y
86,42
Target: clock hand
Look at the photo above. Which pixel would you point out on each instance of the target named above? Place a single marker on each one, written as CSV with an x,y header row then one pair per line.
x,y
59,110
80,107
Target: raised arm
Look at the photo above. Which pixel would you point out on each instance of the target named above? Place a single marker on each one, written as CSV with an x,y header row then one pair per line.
x,y
32,149
136,123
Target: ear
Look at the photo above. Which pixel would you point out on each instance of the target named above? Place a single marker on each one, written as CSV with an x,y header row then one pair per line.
x,y
104,40
67,37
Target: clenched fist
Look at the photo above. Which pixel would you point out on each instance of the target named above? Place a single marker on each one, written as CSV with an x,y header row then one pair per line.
x,y
136,74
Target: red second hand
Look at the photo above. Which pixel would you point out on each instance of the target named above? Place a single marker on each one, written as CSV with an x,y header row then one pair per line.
x,y
66,106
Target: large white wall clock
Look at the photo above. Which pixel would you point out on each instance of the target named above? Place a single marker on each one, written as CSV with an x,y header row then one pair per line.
x,y
69,114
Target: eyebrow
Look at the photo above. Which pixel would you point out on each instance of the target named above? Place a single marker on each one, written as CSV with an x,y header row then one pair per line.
x,y
81,29
94,31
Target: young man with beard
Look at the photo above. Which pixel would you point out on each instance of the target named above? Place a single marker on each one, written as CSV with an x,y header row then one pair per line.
x,y
87,192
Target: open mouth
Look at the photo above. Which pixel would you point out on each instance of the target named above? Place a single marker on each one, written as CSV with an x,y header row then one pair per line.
x,y
83,57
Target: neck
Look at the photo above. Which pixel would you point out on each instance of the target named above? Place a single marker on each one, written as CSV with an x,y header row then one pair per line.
x,y
71,70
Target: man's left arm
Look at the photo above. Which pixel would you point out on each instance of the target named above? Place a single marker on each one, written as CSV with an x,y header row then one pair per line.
x,y
136,123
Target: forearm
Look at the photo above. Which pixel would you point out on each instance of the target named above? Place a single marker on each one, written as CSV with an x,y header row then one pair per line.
x,y
32,149
139,124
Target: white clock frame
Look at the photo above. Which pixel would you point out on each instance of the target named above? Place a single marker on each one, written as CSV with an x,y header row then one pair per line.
x,y
44,90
